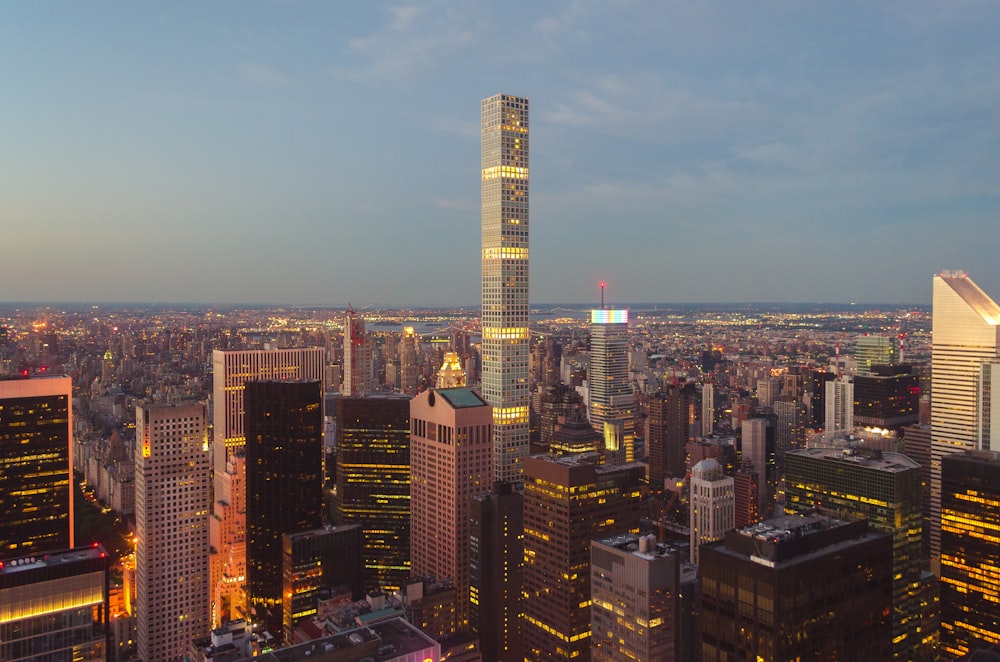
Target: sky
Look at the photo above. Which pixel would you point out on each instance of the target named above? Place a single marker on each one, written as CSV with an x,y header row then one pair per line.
x,y
316,153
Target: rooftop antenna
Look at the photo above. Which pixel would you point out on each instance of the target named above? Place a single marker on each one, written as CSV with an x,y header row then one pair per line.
x,y
602,294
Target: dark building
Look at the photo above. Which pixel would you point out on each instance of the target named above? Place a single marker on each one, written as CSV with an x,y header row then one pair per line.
x,y
970,552
887,398
36,507
317,562
817,399
373,484
55,606
883,488
917,446
284,447
557,401
573,434
668,430
797,588
496,551
746,489
569,501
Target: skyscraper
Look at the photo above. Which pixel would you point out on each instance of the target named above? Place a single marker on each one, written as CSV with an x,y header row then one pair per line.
x,y
839,404
759,450
568,501
713,502
871,351
668,429
284,445
357,357
373,484
36,501
231,370
708,409
611,410
450,450
505,279
965,333
171,519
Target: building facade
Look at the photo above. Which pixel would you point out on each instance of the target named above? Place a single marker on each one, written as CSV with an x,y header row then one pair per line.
x,y
612,407
713,504
357,357
171,518
505,226
668,429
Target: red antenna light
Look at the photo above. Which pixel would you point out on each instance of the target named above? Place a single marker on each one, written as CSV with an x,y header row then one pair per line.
x,y
602,294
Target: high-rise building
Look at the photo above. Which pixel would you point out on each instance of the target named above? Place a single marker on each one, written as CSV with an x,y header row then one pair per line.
x,y
707,409
36,445
450,451
171,519
569,501
970,552
496,555
817,395
873,350
883,488
284,450
408,362
54,606
793,421
839,404
988,407
759,449
888,397
231,370
642,600
797,588
612,408
713,502
965,333
746,488
357,357
505,224
668,430
373,484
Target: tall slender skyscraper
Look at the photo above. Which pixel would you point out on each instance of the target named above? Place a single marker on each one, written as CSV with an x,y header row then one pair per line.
x,y
713,503
612,409
965,334
357,357
505,279
171,520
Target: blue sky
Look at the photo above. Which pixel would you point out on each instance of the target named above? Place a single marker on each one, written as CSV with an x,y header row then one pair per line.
x,y
324,152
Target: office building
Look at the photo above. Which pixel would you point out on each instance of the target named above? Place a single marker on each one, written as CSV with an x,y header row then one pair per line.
x,y
668,429
713,502
357,357
797,588
373,484
36,444
817,395
793,422
408,362
970,552
759,448
284,451
496,555
573,434
612,408
746,496
505,227
327,559
874,350
642,600
888,397
451,374
55,606
883,488
569,501
965,333
171,519
231,370
450,451
390,640
707,409
839,404
988,407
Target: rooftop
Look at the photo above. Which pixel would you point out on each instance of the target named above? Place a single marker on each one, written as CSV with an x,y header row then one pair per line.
x,y
461,397
891,462
389,640
974,297
53,559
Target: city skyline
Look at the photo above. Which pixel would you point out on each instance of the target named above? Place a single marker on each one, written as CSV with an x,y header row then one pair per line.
x,y
683,152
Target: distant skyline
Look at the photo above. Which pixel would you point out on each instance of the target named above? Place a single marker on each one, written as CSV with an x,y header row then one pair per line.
x,y
308,153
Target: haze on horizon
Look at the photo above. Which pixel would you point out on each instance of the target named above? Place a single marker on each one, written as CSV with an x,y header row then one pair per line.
x,y
300,152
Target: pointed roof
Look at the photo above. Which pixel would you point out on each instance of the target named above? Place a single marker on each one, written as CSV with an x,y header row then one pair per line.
x,y
977,300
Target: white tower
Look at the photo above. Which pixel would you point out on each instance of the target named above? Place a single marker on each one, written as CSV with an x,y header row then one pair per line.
x,y
713,504
505,279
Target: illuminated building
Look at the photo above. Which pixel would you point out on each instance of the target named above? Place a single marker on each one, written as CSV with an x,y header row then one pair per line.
x,y
408,362
569,501
871,351
707,409
668,430
55,606
450,450
888,397
965,333
171,519
284,449
557,401
357,357
713,502
496,555
612,410
451,374
314,561
642,596
883,488
231,370
797,588
970,552
839,404
575,435
505,279
373,484
36,445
